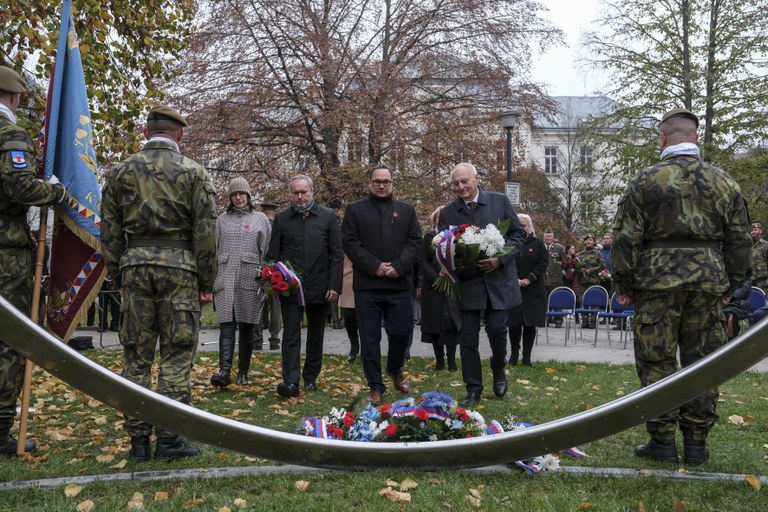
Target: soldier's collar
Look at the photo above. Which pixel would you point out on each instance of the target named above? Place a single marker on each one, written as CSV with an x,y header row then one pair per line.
x,y
10,115
165,140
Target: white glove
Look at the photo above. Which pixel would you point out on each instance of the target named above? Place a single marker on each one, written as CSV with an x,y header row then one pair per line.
x,y
54,180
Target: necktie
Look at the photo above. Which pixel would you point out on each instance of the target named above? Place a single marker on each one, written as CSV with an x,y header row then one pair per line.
x,y
472,205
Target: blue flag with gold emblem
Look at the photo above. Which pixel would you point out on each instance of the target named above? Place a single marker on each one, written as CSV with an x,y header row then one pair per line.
x,y
77,268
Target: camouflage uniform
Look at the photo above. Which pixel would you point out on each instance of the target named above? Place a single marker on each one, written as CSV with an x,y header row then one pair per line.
x,y
554,276
681,242
159,243
760,264
19,187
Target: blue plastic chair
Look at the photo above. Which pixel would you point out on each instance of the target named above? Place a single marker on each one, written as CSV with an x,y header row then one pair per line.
x,y
561,304
594,300
624,314
757,301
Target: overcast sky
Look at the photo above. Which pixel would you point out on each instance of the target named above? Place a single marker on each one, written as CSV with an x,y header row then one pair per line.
x,y
557,68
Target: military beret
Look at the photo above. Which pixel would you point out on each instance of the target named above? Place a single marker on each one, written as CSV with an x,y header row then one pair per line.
x,y
164,112
268,206
11,81
757,225
588,236
681,112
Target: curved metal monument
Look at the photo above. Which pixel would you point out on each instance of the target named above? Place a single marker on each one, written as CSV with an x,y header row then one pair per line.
x,y
63,362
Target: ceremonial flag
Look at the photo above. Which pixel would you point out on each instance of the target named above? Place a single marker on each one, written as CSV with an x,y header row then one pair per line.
x,y
77,268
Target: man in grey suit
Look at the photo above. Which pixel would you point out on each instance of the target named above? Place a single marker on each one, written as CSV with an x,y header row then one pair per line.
x,y
490,286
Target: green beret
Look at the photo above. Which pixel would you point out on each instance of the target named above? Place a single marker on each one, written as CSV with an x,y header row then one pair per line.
x,y
681,112
164,112
588,236
11,81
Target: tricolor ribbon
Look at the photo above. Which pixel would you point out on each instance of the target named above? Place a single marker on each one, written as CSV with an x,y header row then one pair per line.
x,y
445,253
435,413
290,276
316,428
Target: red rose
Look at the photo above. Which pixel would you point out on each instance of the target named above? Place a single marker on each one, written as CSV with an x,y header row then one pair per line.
x,y
282,286
421,415
276,277
266,272
349,419
391,430
335,432
386,408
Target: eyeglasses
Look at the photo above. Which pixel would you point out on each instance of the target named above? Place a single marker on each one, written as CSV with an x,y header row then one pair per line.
x,y
379,183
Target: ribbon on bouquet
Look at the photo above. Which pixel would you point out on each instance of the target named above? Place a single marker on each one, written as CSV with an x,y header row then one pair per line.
x,y
290,276
445,253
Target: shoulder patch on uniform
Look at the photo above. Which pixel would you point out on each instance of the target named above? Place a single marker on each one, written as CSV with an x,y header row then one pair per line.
x,y
18,159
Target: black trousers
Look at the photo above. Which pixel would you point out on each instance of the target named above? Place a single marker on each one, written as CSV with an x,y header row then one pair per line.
x,y
292,315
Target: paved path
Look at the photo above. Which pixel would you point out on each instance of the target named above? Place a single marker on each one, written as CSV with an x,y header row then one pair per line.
x,y
582,349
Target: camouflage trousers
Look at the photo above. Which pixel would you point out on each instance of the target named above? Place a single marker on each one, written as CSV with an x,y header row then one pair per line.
x,y
159,303
664,322
15,287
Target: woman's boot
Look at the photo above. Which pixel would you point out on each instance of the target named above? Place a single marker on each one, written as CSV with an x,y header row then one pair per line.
x,y
515,333
529,338
244,352
450,352
226,349
439,356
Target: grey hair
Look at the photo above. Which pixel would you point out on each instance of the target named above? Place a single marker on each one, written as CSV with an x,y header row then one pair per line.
x,y
530,222
302,177
469,166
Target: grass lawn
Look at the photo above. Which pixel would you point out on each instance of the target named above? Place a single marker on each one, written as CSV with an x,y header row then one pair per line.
x,y
78,435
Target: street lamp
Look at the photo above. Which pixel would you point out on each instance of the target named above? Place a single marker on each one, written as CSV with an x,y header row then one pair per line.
x,y
508,120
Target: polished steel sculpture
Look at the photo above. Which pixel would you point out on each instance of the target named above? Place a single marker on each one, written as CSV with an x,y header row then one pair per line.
x,y
91,378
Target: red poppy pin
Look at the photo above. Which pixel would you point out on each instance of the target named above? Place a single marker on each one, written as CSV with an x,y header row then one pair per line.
x,y
306,214
530,249
394,215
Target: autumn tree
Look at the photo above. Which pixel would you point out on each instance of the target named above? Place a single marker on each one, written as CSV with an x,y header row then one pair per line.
x,y
128,50
704,55
331,86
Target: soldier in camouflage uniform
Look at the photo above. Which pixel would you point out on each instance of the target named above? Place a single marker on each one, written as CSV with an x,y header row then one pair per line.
x,y
588,274
19,187
680,250
554,276
759,258
159,243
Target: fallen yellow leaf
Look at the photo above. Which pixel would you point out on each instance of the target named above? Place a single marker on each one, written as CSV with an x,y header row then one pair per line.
x,y
584,505
194,503
475,502
161,496
551,370
240,503
85,506
72,490
301,485
736,419
678,504
408,483
120,465
753,481
225,509
523,382
135,505
105,458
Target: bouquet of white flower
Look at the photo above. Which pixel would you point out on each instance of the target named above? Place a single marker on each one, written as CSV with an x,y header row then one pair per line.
x,y
464,245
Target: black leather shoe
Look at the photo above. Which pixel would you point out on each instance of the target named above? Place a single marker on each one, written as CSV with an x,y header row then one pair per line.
x,y
499,383
472,398
665,451
242,378
173,448
140,449
695,453
310,385
221,379
9,443
274,346
287,389
351,357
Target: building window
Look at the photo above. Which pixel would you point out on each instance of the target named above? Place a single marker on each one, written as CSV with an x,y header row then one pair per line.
x,y
586,156
550,159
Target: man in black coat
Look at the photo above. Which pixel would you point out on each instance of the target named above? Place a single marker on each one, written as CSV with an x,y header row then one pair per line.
x,y
491,286
382,236
307,236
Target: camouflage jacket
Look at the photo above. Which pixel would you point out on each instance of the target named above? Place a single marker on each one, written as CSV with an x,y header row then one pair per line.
x,y
19,186
591,260
681,225
157,195
554,275
760,264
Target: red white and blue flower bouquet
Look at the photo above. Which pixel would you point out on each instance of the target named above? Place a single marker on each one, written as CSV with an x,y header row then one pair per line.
x,y
279,278
433,416
459,246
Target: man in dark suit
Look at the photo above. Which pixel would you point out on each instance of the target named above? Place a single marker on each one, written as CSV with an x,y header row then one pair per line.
x,y
490,286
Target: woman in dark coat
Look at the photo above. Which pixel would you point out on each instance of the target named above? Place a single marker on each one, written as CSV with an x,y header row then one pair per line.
x,y
531,263
439,314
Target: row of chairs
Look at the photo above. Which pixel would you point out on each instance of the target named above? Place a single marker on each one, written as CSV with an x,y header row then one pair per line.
x,y
595,301
562,304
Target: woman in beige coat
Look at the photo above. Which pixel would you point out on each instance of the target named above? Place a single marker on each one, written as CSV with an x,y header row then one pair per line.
x,y
242,238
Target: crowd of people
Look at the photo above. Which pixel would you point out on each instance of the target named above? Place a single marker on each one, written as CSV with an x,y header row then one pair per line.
x,y
682,255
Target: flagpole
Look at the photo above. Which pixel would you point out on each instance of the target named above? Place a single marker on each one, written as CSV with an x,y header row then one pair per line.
x,y
34,315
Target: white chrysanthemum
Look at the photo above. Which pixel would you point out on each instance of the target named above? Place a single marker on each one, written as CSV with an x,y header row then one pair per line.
x,y
477,418
433,437
381,427
471,235
338,413
548,462
491,241
437,239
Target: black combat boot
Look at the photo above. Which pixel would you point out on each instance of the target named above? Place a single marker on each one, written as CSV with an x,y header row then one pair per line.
x,y
665,451
8,445
226,350
172,448
140,449
695,452
244,351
